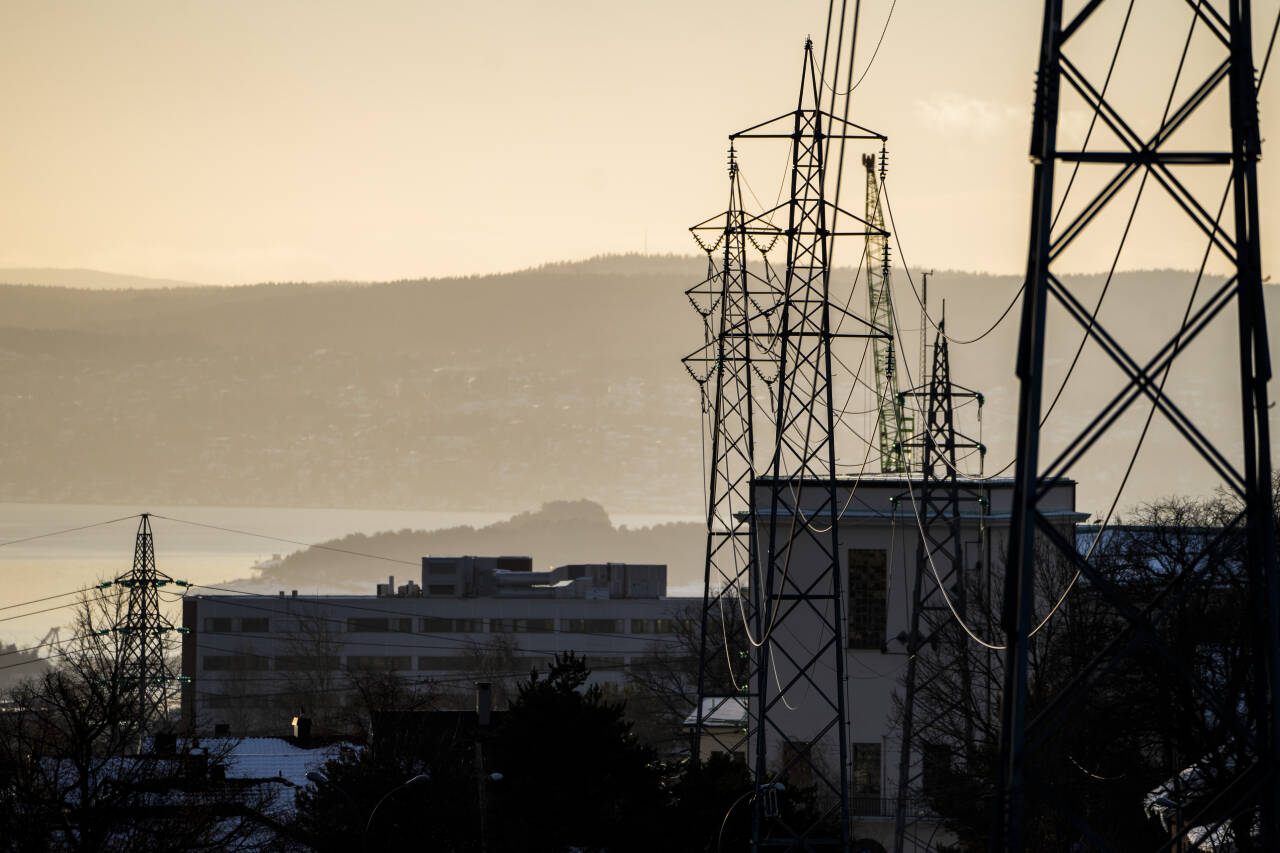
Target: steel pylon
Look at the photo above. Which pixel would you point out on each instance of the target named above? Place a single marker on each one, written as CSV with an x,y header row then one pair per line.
x,y
800,647
737,306
148,680
938,677
1245,799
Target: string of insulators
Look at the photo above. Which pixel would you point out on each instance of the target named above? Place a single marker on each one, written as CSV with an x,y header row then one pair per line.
x,y
129,583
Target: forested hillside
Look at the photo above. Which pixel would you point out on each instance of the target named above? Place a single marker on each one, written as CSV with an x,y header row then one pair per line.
x,y
560,382
559,532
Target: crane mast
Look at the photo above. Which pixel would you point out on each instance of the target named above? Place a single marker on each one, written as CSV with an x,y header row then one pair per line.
x,y
894,426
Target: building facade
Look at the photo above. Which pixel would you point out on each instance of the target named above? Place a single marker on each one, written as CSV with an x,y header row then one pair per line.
x,y
879,536
253,660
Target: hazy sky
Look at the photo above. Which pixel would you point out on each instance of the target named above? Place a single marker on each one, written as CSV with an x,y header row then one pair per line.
x,y
232,142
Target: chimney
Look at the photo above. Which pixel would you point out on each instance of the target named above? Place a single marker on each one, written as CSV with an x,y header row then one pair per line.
x,y
484,702
166,743
302,729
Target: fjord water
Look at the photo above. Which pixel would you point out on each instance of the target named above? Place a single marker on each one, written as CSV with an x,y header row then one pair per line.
x,y
188,545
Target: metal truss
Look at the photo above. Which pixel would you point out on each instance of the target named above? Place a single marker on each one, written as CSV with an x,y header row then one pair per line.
x,y
938,675
1245,799
894,425
149,679
800,645
737,306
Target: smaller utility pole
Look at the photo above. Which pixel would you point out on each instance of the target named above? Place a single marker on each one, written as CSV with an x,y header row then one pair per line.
x,y
939,589
484,713
147,676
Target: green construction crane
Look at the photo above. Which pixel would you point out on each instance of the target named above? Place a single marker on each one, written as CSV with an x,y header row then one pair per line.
x,y
894,426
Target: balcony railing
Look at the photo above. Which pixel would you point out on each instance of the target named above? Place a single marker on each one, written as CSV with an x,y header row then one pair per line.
x,y
866,805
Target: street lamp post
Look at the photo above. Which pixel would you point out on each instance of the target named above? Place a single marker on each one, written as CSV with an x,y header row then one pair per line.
x,y
420,779
768,790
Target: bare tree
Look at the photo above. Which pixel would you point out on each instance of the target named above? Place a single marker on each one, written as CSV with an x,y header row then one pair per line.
x,y
663,689
310,672
79,772
1117,709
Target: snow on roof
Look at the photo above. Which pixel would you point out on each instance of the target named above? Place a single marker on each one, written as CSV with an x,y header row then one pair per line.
x,y
271,758
720,711
1182,791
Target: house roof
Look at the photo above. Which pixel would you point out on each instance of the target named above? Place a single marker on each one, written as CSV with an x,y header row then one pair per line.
x,y
720,711
271,758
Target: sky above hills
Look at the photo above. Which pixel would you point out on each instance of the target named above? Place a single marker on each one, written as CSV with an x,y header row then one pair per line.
x,y
232,142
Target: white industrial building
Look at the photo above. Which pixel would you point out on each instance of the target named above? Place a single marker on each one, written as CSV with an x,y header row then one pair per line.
x,y
878,535
252,658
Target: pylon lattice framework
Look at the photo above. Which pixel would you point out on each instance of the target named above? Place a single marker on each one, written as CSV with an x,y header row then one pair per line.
x,y
940,584
148,678
808,598
733,301
1246,799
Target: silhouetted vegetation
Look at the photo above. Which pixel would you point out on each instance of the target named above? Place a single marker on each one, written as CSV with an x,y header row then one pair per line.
x,y
559,769
1107,742
78,770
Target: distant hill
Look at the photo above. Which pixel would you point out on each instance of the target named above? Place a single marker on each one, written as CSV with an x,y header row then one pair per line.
x,y
560,532
87,279
562,381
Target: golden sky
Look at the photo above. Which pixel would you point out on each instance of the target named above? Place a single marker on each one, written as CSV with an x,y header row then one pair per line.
x,y
232,142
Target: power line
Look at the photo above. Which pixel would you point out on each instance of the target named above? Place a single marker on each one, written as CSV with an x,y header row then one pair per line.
x,y
67,530
49,598
41,645
48,609
1061,203
872,60
312,545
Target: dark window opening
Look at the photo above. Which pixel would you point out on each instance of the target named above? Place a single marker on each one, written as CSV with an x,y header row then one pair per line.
x,y
864,781
867,605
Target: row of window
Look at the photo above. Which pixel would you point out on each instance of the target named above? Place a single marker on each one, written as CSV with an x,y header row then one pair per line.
x,y
237,624
866,772
867,615
429,663
864,776
444,625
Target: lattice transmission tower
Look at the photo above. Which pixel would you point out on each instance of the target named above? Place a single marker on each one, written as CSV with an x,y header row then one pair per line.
x,y
1240,800
800,646
148,678
938,677
737,305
